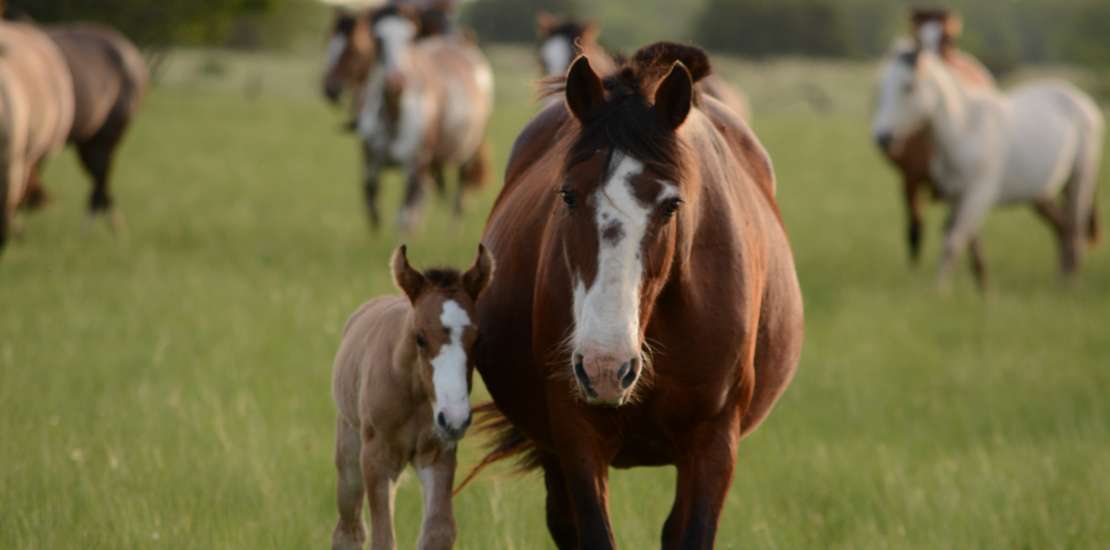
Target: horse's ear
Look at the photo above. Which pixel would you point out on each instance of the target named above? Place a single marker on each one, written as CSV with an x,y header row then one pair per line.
x,y
674,97
409,280
585,94
477,278
953,26
545,23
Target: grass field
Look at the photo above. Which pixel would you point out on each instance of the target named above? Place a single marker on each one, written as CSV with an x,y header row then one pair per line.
x,y
170,387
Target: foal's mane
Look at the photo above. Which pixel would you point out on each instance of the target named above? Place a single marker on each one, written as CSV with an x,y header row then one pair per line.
x,y
627,122
443,277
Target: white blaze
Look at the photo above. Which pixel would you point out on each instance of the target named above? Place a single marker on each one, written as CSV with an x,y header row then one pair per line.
x,y
449,367
396,34
607,314
556,54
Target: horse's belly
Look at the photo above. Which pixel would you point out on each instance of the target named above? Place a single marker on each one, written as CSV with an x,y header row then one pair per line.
x,y
1041,155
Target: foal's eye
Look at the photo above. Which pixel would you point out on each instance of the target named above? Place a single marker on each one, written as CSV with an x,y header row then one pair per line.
x,y
568,197
421,342
670,206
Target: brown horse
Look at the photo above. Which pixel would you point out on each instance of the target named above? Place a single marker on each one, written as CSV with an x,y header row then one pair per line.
x,y
646,309
36,111
109,80
913,158
351,53
563,39
427,103
401,383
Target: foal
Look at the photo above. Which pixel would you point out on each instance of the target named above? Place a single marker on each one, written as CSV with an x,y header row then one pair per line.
x,y
400,382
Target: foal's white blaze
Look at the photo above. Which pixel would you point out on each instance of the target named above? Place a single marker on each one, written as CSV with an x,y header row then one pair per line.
x,y
336,45
449,368
556,53
607,314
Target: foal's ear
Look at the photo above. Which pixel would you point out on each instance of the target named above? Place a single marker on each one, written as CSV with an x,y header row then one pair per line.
x,y
674,97
409,280
585,94
477,278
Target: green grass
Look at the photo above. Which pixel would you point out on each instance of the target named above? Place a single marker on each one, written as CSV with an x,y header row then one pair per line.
x,y
170,387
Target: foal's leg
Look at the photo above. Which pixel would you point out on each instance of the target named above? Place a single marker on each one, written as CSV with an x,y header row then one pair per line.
x,y
560,514
704,477
349,533
437,480
380,470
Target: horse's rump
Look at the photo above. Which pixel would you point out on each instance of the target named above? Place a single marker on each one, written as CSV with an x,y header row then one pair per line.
x,y
109,75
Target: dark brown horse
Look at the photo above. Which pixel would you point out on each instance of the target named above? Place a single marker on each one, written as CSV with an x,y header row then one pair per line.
x,y
561,40
912,159
109,80
646,310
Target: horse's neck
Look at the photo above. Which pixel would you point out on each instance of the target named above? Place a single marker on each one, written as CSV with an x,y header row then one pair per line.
x,y
949,118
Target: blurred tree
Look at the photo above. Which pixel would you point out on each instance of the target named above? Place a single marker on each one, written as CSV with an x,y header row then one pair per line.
x,y
511,20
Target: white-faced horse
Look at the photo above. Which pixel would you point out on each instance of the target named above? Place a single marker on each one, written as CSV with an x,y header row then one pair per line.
x,y
992,149
426,106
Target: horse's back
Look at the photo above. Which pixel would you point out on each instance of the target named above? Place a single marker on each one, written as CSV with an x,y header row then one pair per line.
x,y
368,341
466,83
109,75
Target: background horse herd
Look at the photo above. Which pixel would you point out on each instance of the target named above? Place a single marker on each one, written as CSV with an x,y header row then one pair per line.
x,y
634,300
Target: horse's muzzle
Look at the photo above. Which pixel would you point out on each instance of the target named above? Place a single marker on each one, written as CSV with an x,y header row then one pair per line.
x,y
451,431
604,379
884,140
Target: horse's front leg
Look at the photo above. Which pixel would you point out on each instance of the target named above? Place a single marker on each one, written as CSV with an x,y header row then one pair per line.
x,y
371,184
964,220
560,511
437,479
704,477
586,478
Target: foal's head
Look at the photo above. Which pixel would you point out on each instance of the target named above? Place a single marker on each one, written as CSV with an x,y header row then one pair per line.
x,y
350,52
444,329
623,184
905,99
561,41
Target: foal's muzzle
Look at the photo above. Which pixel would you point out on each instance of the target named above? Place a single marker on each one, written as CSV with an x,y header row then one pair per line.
x,y
451,431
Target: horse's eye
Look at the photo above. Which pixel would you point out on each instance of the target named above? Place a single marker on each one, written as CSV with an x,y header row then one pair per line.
x,y
670,206
907,88
421,342
568,197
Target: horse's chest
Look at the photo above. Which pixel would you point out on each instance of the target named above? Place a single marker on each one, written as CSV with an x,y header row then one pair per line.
x,y
395,135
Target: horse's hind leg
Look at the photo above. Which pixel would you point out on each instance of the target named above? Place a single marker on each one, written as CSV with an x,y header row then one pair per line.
x,y
97,154
1080,202
439,178
349,533
910,189
35,196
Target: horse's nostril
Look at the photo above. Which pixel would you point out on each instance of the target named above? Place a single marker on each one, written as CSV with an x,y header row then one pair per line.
x,y
628,373
884,140
441,420
580,373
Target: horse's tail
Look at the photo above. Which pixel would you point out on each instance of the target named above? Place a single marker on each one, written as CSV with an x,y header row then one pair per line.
x,y
506,442
475,171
